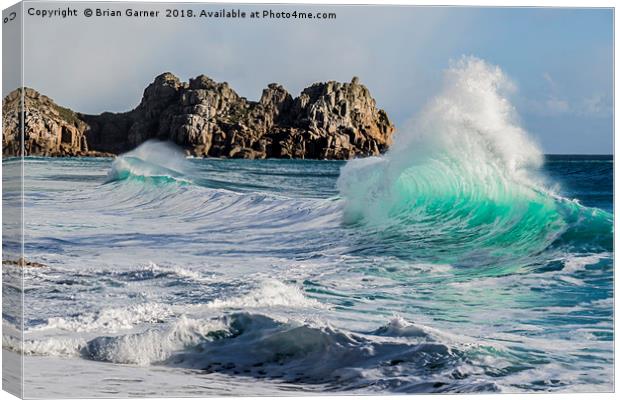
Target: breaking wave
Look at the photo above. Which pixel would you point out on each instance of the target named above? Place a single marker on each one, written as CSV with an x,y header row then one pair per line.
x,y
152,161
407,356
462,181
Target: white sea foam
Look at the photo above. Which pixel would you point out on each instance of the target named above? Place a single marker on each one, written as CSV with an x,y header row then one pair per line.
x,y
269,293
109,319
51,347
400,327
154,345
177,270
576,263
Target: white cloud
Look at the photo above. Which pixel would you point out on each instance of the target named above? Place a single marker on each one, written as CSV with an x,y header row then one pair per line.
x,y
596,105
557,106
107,66
555,103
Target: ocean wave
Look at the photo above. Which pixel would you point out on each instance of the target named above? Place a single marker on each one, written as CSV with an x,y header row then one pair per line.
x,y
274,348
153,162
463,180
154,345
290,351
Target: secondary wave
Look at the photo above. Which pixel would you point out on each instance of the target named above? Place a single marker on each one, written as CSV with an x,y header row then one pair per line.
x,y
152,161
462,182
394,357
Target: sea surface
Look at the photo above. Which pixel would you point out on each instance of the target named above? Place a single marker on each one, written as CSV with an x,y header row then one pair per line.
x,y
462,260
245,279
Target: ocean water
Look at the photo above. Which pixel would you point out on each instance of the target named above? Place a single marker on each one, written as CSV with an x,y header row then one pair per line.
x,y
463,260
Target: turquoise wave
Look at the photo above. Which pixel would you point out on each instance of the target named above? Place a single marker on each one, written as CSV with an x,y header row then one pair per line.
x,y
436,208
135,169
152,162
462,184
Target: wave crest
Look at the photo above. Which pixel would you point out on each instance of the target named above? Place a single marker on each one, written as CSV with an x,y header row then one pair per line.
x,y
462,180
152,161
291,351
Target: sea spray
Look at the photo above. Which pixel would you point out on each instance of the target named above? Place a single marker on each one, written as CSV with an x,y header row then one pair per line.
x,y
461,181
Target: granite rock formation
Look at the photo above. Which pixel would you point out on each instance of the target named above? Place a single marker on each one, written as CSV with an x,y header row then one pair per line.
x,y
50,130
326,121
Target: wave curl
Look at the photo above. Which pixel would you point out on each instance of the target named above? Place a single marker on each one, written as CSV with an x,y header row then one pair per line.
x,y
462,180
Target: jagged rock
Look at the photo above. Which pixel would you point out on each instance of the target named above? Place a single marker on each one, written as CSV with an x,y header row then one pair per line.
x,y
327,121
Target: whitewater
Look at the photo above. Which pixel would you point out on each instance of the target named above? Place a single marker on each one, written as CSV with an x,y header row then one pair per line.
x,y
462,260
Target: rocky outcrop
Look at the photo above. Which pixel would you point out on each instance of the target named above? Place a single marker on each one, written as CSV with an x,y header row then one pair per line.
x,y
327,121
49,129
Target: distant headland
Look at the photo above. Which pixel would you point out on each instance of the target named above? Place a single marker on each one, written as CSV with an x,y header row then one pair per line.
x,y
329,120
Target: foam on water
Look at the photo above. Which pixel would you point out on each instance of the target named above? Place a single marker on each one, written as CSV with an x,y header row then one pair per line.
x,y
108,319
269,293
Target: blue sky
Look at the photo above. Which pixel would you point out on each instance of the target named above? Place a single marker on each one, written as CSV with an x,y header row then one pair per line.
x,y
561,60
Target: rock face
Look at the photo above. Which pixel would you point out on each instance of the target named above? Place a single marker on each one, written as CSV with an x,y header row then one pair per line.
x,y
327,121
50,130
